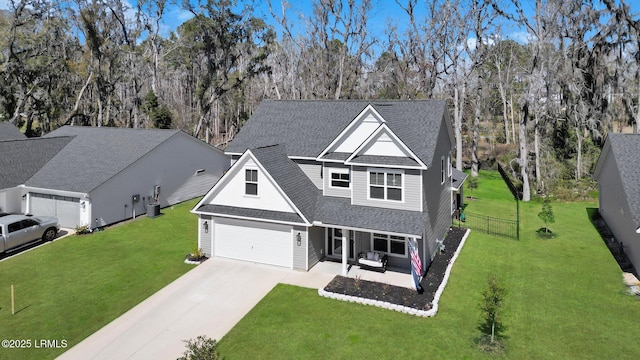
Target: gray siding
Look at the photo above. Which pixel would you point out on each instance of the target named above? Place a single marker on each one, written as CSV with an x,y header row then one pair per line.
x,y
333,191
615,210
205,239
313,170
169,165
411,191
299,252
316,245
437,197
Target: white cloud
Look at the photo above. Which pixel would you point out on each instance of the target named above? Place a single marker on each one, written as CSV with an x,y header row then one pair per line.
x,y
521,37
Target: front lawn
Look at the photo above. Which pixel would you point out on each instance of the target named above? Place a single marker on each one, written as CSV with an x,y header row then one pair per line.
x,y
72,287
565,300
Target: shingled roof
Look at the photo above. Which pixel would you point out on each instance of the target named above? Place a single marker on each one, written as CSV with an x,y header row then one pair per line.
x,y
625,149
95,155
21,159
10,132
314,206
308,127
291,179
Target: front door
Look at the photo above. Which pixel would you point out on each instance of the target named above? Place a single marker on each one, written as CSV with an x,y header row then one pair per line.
x,y
334,243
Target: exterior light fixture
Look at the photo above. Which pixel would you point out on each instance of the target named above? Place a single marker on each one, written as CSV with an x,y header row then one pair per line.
x,y
206,227
299,239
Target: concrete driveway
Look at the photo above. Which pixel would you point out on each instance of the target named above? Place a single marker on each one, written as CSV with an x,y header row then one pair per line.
x,y
208,300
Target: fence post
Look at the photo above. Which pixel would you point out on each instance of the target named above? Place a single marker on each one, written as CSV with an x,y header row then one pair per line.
x,y
517,219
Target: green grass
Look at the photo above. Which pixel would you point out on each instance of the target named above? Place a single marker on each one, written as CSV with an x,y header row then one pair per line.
x,y
565,300
72,287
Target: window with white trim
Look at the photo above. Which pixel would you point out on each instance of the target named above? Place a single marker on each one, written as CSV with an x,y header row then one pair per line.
x,y
390,244
251,182
442,170
449,164
385,185
340,178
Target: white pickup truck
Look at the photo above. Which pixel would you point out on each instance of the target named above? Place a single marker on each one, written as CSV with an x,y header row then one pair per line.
x,y
18,230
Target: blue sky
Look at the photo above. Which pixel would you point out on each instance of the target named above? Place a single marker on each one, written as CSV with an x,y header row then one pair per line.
x,y
383,12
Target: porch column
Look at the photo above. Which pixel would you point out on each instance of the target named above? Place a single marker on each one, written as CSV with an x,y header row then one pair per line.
x,y
345,250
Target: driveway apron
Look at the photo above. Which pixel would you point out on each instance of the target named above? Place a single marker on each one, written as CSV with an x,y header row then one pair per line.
x,y
208,300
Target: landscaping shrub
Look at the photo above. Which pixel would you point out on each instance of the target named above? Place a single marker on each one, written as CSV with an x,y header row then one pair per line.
x,y
202,348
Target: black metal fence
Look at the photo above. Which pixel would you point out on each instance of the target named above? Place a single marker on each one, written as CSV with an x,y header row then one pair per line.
x,y
491,225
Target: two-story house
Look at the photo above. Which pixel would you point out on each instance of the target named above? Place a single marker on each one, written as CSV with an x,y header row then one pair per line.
x,y
314,180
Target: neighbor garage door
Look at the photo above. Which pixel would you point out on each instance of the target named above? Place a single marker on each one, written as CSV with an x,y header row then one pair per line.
x,y
66,209
254,241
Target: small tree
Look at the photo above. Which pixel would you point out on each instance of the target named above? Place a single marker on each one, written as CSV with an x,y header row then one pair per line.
x,y
202,348
546,215
472,183
492,297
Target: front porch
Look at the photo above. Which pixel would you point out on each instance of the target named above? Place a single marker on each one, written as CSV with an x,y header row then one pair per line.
x,y
389,290
393,276
379,250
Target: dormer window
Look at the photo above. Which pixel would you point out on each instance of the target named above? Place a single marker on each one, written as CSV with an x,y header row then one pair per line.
x,y
251,182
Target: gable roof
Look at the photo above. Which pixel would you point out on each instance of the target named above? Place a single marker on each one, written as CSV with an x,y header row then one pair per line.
x,y
95,155
296,188
21,159
10,132
307,127
382,157
624,149
291,179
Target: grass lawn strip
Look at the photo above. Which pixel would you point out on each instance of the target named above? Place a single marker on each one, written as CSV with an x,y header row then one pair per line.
x,y
74,286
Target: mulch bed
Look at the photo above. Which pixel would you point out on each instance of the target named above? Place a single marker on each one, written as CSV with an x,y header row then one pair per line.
x,y
401,295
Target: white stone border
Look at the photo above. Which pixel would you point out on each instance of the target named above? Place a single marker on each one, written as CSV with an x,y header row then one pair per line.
x,y
404,309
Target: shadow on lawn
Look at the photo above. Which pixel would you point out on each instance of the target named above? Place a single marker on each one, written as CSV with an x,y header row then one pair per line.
x,y
615,247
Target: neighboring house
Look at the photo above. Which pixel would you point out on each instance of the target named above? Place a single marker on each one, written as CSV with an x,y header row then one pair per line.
x,y
99,176
618,176
308,177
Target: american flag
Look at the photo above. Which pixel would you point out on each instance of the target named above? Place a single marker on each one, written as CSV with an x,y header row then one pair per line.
x,y
416,265
415,259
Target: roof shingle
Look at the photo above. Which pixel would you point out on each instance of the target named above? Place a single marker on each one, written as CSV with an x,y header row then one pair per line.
x,y
10,132
308,127
97,153
21,159
625,149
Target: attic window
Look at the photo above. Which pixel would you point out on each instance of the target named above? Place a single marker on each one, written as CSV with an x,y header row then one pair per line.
x,y
251,182
340,178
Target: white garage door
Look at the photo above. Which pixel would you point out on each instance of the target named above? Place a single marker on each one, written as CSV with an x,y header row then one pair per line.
x,y
66,209
254,241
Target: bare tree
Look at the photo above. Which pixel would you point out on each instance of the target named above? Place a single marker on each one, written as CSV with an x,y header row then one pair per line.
x,y
230,48
629,32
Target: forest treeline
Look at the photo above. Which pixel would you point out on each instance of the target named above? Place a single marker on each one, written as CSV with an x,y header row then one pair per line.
x,y
542,105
